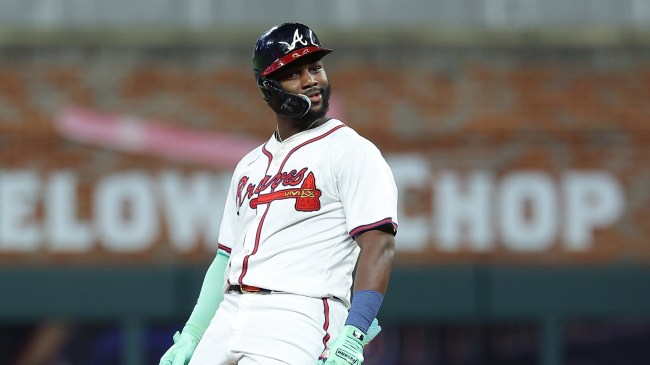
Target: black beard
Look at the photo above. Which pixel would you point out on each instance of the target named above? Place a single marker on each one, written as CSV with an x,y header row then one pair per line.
x,y
313,115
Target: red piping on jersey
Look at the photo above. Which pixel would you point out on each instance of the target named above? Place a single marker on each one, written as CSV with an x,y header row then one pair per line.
x,y
270,157
259,228
257,245
308,142
326,324
367,227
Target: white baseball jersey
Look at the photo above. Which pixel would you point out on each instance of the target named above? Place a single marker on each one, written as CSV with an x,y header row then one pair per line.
x,y
294,207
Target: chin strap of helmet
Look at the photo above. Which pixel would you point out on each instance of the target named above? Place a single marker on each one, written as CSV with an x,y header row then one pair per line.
x,y
284,103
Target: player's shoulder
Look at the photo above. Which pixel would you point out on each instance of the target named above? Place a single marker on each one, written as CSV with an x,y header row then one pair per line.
x,y
346,133
347,138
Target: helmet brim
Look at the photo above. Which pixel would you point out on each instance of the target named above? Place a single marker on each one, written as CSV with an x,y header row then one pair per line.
x,y
293,56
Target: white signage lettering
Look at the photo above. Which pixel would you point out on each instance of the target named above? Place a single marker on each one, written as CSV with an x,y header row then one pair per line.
x,y
191,206
525,211
464,205
42,211
594,199
19,194
64,230
411,173
125,211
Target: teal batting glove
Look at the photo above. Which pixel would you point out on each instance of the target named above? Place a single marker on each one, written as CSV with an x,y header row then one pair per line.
x,y
347,348
181,351
373,330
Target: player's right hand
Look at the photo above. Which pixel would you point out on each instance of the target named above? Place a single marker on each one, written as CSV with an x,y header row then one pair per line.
x,y
347,348
373,331
181,351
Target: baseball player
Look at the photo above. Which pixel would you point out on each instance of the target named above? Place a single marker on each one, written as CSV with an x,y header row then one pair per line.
x,y
303,209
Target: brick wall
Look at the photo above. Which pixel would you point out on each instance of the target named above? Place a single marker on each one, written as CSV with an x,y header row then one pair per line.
x,y
499,109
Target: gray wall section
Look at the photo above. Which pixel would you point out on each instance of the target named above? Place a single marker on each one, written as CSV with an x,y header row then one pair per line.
x,y
522,14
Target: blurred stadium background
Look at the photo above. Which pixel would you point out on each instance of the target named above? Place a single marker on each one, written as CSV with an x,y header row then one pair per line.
x,y
517,131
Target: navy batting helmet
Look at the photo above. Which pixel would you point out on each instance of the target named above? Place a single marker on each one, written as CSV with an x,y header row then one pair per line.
x,y
276,48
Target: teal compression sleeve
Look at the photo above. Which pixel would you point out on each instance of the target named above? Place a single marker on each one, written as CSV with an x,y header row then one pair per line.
x,y
210,297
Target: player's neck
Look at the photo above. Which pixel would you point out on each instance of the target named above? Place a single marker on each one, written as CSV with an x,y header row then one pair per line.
x,y
287,127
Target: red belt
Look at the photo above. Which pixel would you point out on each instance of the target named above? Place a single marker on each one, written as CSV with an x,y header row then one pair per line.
x,y
241,289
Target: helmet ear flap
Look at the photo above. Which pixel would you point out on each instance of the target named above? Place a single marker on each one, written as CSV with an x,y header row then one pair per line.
x,y
266,93
283,103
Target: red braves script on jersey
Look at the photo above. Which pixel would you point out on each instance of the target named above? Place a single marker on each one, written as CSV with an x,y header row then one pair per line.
x,y
306,195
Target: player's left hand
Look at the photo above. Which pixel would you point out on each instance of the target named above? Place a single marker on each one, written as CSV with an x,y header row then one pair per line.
x,y
347,348
181,351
